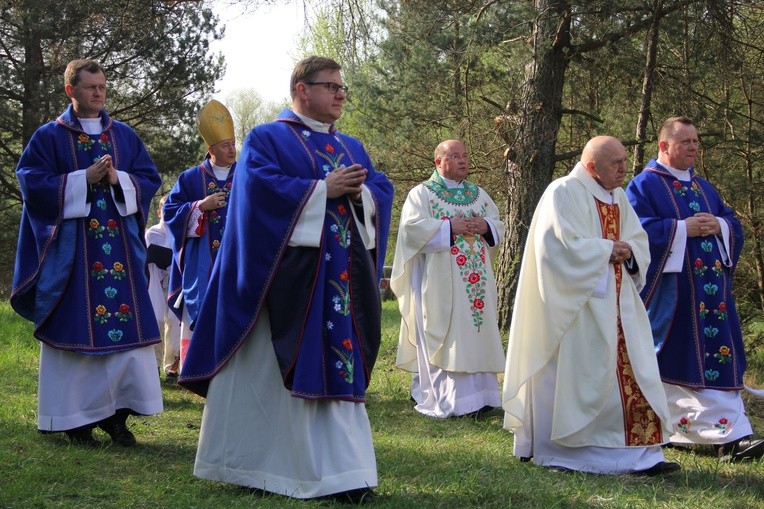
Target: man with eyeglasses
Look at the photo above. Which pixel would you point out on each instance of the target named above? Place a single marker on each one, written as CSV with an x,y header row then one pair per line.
x,y
443,278
695,243
290,327
581,387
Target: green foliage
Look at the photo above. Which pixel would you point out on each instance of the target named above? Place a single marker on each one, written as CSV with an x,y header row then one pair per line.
x,y
422,462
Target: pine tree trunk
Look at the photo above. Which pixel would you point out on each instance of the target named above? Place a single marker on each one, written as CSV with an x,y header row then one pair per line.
x,y
530,157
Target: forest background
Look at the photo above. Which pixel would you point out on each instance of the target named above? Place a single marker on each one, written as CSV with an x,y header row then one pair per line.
x,y
525,83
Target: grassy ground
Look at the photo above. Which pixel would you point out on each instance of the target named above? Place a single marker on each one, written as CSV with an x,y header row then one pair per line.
x,y
423,463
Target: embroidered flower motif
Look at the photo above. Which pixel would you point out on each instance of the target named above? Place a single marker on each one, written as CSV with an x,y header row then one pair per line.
x,y
104,142
478,304
723,356
334,160
115,335
710,332
723,425
473,278
454,250
346,359
461,260
101,315
700,268
710,288
679,188
110,292
329,325
95,229
718,270
706,246
340,228
721,311
305,134
118,271
703,311
328,257
111,225
101,204
97,271
711,375
124,314
84,142
344,275
684,424
341,209
106,248
694,206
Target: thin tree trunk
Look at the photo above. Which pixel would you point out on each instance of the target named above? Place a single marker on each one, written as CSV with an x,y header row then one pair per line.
x,y
651,52
531,153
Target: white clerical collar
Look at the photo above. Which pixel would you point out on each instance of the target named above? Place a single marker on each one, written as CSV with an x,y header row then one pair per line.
x,y
451,184
221,172
599,192
314,124
678,174
91,125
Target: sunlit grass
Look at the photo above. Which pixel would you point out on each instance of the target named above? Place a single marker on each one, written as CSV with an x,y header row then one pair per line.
x,y
423,463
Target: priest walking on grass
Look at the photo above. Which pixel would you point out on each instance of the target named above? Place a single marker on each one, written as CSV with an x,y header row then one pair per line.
x,y
87,183
443,278
289,330
582,389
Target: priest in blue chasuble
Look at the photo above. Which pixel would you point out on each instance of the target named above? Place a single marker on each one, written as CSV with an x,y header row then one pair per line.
x,y
195,213
87,182
289,330
695,243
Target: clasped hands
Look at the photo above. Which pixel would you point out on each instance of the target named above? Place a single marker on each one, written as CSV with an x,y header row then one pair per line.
x,y
100,170
702,224
346,180
621,252
468,225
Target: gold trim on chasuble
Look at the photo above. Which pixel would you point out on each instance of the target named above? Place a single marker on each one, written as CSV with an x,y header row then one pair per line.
x,y
640,424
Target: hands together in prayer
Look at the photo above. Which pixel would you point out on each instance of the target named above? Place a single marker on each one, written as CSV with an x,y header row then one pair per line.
x,y
346,180
103,168
468,225
621,252
702,224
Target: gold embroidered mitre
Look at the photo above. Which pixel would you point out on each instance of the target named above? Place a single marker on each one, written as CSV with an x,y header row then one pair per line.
x,y
215,123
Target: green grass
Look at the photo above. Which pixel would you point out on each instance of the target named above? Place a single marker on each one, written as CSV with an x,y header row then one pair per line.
x,y
423,463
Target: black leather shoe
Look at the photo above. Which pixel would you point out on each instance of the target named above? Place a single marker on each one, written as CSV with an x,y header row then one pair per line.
x,y
743,449
82,436
116,427
660,468
354,497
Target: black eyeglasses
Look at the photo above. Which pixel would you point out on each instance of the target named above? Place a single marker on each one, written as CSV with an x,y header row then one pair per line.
x,y
330,86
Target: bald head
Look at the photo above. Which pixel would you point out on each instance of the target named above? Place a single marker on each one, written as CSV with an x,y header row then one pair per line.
x,y
451,160
605,160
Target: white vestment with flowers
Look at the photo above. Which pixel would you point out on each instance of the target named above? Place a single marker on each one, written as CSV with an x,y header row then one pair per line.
x,y
446,294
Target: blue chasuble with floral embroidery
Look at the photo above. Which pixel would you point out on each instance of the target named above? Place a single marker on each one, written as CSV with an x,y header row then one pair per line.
x,y
323,302
82,281
695,323
194,256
